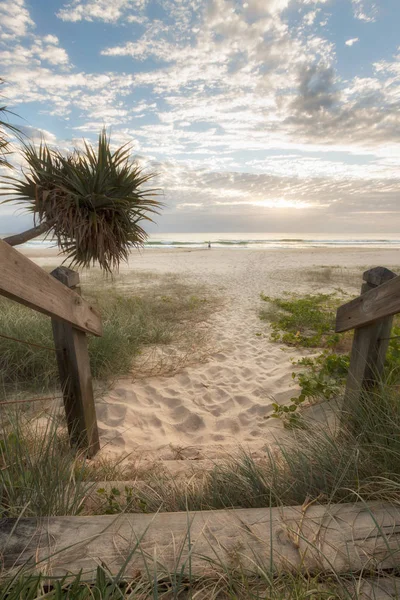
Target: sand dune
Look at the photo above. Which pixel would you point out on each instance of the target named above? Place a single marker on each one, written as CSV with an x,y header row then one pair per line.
x,y
208,409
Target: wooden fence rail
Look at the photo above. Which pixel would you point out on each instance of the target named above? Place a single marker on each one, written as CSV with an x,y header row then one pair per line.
x,y
58,296
371,315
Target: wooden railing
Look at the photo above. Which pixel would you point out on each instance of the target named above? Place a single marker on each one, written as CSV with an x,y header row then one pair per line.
x,y
371,315
58,296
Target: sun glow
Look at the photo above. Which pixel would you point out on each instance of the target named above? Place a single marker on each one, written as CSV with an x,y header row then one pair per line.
x,y
271,203
281,203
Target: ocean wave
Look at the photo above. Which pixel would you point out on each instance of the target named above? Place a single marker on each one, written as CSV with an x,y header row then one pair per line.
x,y
251,243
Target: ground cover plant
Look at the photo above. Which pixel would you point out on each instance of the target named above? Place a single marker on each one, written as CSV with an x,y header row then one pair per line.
x,y
306,321
151,314
309,322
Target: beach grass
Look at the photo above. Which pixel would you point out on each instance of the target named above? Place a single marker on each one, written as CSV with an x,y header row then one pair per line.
x,y
157,583
134,319
361,459
358,461
322,466
39,474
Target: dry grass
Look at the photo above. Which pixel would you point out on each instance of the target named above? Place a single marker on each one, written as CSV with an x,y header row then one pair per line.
x,y
152,324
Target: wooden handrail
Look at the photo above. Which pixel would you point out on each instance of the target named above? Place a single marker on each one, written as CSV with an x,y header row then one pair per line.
x,y
371,316
25,282
382,301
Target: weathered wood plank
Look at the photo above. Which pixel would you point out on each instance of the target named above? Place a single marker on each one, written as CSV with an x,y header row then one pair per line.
x,y
25,282
382,588
370,344
75,376
340,538
382,301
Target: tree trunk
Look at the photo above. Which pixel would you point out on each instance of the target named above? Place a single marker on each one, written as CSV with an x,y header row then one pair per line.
x,y
29,234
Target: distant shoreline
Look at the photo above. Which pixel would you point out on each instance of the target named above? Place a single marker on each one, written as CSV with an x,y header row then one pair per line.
x,y
257,241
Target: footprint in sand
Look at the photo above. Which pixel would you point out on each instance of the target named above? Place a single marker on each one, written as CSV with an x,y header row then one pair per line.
x,y
180,414
192,423
111,414
172,402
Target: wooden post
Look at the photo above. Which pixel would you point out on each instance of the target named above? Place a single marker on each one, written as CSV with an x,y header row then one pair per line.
x,y
370,343
75,376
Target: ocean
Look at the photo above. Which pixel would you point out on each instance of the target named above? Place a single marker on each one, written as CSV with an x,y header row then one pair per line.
x,y
248,241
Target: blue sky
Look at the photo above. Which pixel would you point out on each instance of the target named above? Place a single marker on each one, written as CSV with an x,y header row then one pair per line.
x,y
262,115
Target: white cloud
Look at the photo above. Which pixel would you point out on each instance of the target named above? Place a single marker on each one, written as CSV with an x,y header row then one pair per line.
x,y
262,7
365,10
15,20
102,10
352,41
226,80
310,17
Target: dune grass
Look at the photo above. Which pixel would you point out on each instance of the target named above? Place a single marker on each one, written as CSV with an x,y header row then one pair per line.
x,y
39,474
359,460
156,314
324,466
157,583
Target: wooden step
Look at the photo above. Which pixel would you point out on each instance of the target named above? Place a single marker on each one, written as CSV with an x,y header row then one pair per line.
x,y
339,538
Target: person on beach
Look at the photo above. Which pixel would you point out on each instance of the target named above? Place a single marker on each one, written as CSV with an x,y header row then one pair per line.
x,y
209,244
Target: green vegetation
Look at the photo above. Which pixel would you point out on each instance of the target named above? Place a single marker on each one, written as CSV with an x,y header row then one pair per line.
x,y
156,583
306,321
309,322
322,466
362,460
92,201
39,474
6,130
151,315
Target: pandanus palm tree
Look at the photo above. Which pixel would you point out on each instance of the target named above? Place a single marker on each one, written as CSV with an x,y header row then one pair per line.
x,y
92,202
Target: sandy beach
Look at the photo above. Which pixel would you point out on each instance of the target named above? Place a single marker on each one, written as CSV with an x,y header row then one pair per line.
x,y
211,408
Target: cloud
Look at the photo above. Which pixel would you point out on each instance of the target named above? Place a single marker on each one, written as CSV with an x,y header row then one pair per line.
x,y
352,41
263,7
239,112
36,135
100,10
15,20
365,10
234,201
316,89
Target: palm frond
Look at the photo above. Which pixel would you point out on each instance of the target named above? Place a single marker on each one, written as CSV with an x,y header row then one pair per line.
x,y
96,200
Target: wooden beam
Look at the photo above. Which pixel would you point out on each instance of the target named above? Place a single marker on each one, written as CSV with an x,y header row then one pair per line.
x,y
75,376
340,538
370,344
382,301
25,282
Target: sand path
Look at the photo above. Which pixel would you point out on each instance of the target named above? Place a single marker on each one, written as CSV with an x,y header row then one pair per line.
x,y
211,408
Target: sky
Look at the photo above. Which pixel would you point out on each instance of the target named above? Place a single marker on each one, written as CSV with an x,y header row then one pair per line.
x,y
258,115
